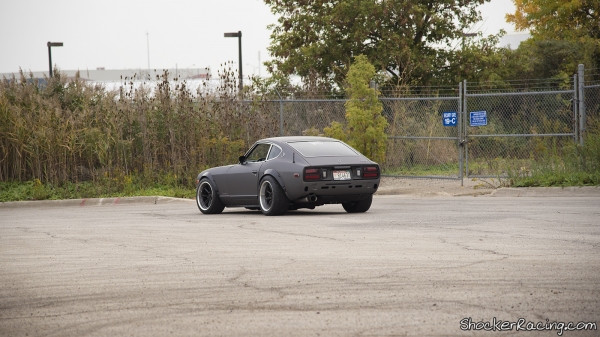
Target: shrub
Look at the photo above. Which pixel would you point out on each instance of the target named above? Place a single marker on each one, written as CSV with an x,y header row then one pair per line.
x,y
365,125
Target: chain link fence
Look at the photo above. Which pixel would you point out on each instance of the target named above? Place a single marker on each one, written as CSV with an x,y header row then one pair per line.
x,y
523,121
302,117
418,143
591,96
521,127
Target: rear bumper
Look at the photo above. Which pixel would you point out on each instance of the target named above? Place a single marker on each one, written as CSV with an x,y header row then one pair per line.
x,y
330,192
339,187
338,199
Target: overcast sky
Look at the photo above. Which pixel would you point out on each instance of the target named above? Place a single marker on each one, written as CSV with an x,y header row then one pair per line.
x,y
183,33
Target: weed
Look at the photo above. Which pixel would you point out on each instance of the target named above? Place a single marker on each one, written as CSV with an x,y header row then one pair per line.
x,y
575,166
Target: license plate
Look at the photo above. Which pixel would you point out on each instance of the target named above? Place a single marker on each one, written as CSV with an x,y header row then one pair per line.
x,y
341,175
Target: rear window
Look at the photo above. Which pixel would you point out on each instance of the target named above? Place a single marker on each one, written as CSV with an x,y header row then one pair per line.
x,y
323,149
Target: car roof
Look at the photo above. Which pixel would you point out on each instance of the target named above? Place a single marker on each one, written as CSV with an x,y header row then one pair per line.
x,y
289,139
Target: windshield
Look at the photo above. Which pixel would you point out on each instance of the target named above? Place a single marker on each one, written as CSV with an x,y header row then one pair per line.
x,y
323,149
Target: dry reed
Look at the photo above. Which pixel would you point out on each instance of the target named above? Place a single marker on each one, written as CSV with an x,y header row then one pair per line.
x,y
71,130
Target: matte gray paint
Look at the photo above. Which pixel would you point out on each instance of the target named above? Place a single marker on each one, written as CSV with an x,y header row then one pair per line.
x,y
276,175
241,188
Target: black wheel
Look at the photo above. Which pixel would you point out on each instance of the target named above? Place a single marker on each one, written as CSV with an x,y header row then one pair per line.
x,y
358,206
207,199
271,197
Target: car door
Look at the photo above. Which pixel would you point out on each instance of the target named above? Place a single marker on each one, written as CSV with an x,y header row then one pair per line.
x,y
242,179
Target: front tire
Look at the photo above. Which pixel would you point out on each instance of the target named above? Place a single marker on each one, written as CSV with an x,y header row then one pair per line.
x,y
207,199
360,206
271,197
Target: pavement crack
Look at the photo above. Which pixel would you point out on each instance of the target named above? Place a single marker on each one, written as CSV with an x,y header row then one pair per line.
x,y
292,234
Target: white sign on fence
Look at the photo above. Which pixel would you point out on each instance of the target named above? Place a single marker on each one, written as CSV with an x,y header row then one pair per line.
x,y
478,118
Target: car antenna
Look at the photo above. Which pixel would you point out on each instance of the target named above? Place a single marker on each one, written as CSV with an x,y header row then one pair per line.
x,y
293,157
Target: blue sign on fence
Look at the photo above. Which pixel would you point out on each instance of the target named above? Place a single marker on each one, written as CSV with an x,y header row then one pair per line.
x,y
478,118
449,118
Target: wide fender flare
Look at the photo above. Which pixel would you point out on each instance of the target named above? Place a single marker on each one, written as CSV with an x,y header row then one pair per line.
x,y
208,176
276,175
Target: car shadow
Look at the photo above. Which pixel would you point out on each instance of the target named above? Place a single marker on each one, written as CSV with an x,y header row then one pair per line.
x,y
300,212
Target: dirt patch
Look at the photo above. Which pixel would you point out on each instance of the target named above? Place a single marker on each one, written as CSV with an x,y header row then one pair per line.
x,y
436,187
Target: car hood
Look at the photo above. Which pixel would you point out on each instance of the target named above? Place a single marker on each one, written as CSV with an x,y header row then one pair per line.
x,y
335,161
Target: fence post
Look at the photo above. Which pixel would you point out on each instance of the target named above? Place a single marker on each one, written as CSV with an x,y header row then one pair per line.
x,y
460,134
465,134
575,108
581,102
280,114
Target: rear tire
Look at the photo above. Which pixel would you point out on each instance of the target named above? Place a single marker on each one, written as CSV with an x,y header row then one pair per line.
x,y
360,206
207,199
271,197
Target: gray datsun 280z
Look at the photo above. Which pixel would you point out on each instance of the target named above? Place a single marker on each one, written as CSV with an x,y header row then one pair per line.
x,y
287,173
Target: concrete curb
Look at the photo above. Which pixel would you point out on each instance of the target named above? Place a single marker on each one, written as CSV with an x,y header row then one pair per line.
x,y
583,191
93,202
447,193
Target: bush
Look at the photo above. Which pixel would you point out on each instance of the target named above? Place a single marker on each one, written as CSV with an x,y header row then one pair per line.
x,y
365,125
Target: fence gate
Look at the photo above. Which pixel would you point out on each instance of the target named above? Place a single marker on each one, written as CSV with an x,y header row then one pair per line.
x,y
506,132
420,145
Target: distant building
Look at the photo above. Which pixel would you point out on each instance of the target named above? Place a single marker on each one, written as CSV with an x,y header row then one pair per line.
x,y
102,75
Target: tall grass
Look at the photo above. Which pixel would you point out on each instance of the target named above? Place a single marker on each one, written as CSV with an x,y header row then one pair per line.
x,y
71,131
572,165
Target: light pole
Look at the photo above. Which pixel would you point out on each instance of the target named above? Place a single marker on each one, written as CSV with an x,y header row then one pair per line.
x,y
50,45
239,36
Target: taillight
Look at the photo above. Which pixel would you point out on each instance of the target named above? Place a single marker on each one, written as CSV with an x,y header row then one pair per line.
x,y
370,172
312,174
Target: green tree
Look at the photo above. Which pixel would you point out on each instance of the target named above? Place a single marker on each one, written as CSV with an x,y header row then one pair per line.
x,y
365,130
409,40
477,61
557,19
562,31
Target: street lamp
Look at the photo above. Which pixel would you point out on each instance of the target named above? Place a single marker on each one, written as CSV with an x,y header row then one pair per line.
x,y
239,36
50,45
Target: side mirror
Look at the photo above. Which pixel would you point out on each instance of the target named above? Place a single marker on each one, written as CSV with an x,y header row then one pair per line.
x,y
242,160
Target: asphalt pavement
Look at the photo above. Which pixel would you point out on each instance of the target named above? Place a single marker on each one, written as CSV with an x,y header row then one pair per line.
x,y
411,266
